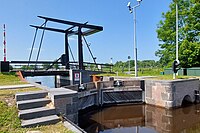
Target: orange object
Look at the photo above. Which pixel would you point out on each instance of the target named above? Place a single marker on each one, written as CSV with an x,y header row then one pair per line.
x,y
19,74
96,78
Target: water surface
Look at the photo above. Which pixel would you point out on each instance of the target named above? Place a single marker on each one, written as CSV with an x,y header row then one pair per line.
x,y
45,80
142,119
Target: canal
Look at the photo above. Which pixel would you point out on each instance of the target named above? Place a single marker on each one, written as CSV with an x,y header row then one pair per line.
x,y
43,80
141,119
135,118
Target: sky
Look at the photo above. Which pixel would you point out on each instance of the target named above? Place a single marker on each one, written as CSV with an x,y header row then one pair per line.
x,y
115,41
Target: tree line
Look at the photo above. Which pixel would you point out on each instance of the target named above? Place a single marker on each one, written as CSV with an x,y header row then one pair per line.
x,y
120,65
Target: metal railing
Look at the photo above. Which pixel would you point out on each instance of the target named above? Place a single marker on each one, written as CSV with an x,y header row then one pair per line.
x,y
42,65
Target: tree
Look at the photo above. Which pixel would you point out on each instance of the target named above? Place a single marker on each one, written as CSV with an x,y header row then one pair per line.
x,y
189,34
46,65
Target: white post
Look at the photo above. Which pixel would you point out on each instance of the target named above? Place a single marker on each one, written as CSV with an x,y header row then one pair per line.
x,y
134,39
129,67
133,9
176,31
135,45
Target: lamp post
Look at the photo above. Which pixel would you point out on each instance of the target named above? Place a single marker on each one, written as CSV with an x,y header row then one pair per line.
x,y
176,30
176,2
111,62
133,10
129,65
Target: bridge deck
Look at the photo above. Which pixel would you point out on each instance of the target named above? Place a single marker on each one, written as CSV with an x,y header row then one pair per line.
x,y
45,73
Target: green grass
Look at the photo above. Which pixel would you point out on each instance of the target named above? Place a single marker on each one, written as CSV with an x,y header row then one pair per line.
x,y
10,79
9,121
170,77
148,72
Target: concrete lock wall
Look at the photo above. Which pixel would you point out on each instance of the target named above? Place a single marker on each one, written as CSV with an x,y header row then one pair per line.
x,y
170,94
68,101
166,94
165,120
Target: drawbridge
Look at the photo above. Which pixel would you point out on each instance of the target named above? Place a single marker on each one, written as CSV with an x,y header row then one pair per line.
x,y
62,65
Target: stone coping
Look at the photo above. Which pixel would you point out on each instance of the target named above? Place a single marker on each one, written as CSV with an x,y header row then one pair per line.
x,y
61,92
172,81
122,88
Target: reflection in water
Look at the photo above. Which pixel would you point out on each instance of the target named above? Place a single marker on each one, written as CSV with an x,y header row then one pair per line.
x,y
142,119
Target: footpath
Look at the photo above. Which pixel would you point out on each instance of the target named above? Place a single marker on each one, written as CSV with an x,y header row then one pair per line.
x,y
16,86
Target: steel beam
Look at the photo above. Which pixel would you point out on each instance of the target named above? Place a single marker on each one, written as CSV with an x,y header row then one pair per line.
x,y
69,32
80,49
67,51
50,29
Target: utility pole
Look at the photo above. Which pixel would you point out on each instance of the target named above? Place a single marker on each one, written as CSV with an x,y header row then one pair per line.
x,y
133,10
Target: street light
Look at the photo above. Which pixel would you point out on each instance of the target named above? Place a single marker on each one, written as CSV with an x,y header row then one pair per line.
x,y
176,2
129,64
111,62
133,10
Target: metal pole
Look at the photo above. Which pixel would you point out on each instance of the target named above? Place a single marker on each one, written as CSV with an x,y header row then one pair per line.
x,y
176,31
134,40
176,37
111,62
129,68
133,9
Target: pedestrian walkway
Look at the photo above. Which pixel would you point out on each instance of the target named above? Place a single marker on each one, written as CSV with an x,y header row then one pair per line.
x,y
16,86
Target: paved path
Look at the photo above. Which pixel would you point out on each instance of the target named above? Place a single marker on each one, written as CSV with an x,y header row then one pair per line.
x,y
16,86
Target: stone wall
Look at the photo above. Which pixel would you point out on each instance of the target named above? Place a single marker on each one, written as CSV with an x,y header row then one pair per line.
x,y
169,94
165,120
66,102
87,98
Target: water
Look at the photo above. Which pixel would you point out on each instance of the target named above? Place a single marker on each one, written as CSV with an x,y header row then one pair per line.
x,y
135,118
45,80
142,119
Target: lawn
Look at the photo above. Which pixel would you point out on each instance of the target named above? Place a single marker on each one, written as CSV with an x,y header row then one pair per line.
x,y
9,121
148,72
10,79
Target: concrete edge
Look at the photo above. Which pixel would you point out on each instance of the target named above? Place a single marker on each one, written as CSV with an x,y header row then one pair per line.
x,y
16,86
172,81
39,86
73,127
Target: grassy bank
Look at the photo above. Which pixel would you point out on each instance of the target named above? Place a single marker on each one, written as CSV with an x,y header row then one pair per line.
x,y
148,72
9,121
10,79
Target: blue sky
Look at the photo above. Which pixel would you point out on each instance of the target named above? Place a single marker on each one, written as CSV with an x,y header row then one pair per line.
x,y
116,40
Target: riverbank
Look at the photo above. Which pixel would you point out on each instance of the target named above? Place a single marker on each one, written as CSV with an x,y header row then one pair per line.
x,y
10,79
9,121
